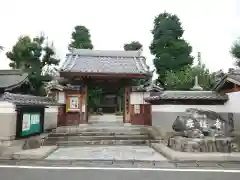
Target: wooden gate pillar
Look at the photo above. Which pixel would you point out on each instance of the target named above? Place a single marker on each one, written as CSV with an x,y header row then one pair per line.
x,y
84,112
127,91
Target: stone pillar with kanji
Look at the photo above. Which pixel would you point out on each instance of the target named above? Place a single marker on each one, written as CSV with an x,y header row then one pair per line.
x,y
127,116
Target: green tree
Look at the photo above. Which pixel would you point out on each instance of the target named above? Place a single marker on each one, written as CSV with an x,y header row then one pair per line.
x,y
184,79
135,46
33,56
171,51
132,46
81,38
235,51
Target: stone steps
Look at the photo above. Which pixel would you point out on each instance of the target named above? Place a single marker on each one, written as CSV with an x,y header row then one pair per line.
x,y
97,142
98,133
105,119
108,124
89,128
88,138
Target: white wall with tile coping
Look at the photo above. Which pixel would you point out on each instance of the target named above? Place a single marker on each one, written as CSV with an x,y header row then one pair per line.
x,y
164,115
8,119
50,119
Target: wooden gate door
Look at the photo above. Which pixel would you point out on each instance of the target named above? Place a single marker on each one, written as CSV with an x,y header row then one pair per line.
x,y
147,114
143,116
61,117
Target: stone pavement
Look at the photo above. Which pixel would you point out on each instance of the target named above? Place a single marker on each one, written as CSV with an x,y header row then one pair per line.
x,y
107,153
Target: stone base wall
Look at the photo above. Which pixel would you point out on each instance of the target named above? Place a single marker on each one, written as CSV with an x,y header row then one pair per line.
x,y
208,144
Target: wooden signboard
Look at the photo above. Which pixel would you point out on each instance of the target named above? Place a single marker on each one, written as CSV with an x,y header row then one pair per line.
x,y
73,103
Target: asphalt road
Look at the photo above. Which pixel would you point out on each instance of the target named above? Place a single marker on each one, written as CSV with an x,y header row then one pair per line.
x,y
91,173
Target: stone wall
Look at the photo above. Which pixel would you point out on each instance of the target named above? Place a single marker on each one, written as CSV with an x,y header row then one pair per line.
x,y
208,144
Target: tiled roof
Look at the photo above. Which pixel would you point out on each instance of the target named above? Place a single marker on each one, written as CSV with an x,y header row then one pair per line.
x,y
188,95
73,87
147,88
236,77
233,76
54,85
109,62
10,79
21,99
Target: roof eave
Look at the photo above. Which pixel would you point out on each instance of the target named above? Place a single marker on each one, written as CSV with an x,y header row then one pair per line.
x,y
9,88
24,100
62,73
159,100
220,84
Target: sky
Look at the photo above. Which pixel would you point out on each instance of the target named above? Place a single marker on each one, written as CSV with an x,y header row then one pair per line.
x,y
211,26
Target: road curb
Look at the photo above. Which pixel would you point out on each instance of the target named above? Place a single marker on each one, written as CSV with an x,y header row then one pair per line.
x,y
76,162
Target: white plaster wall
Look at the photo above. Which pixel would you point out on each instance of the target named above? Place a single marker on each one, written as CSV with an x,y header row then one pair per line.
x,y
138,97
50,119
164,115
8,119
61,97
233,104
182,108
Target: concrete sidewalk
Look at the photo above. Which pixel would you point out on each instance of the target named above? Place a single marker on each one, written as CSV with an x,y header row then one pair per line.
x,y
11,147
34,154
